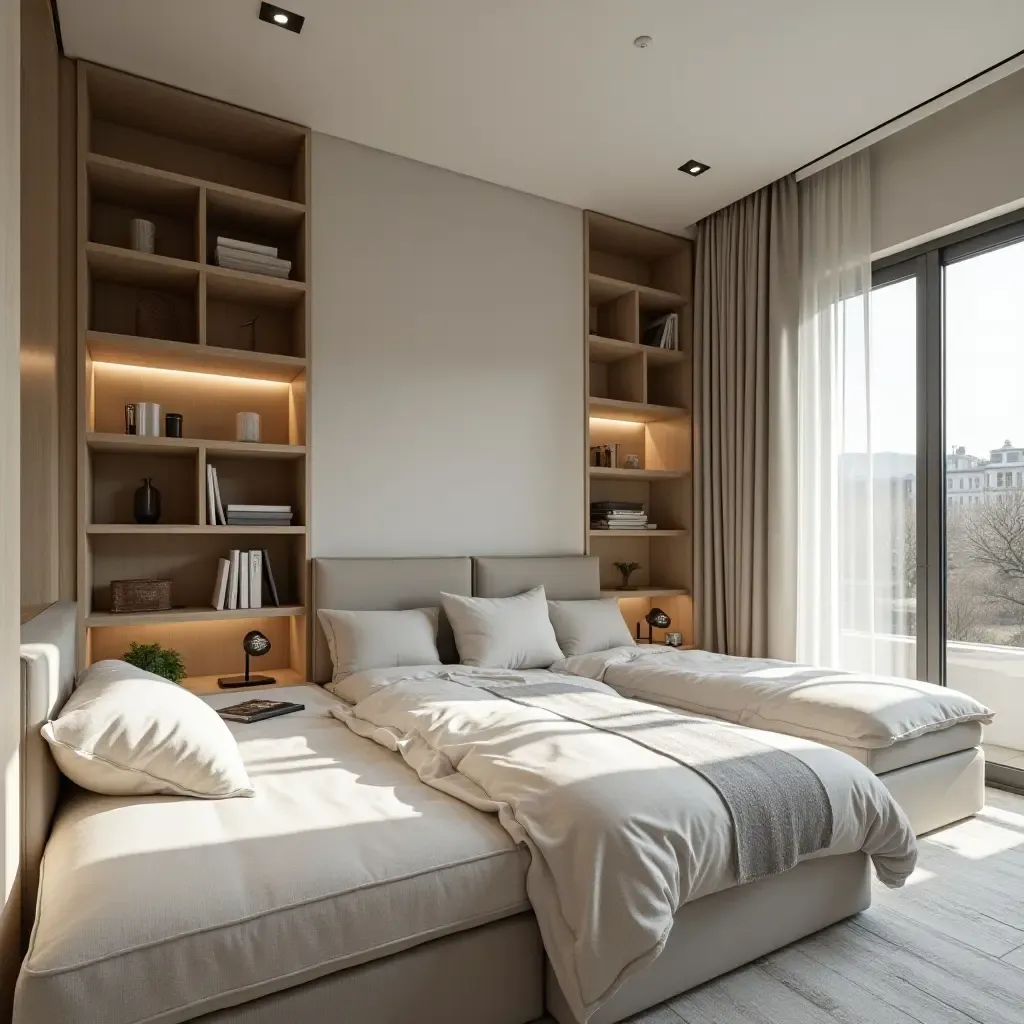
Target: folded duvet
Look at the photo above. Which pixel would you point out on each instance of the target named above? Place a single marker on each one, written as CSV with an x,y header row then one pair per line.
x,y
846,709
628,810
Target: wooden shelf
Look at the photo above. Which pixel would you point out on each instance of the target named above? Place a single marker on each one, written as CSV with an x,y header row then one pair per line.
x,y
638,533
128,350
241,286
187,529
645,592
97,620
605,289
604,473
662,356
127,443
638,412
208,684
127,266
611,350
659,300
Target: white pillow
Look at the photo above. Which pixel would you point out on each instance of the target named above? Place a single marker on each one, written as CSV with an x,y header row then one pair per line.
x,y
127,732
503,632
583,627
364,640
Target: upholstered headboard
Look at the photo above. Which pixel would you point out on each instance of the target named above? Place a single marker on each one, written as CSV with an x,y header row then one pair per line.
x,y
48,658
385,584
564,577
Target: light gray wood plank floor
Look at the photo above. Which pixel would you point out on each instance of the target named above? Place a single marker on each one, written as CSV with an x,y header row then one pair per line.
x,y
948,948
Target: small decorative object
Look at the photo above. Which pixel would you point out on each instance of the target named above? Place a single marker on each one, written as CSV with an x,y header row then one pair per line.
x,y
131,421
632,462
252,325
247,426
674,639
147,419
143,235
655,619
627,569
172,424
161,661
146,505
256,644
154,316
140,595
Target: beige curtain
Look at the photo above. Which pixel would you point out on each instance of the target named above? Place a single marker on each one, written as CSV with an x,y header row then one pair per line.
x,y
745,329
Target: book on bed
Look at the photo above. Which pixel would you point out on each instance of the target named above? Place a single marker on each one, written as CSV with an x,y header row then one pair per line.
x,y
257,710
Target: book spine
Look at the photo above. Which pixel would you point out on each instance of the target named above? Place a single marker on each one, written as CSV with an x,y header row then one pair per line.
x,y
233,579
255,579
271,582
211,505
235,243
220,586
220,517
243,579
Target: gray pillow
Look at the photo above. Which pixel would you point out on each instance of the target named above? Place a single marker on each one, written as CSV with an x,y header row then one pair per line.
x,y
503,632
583,627
363,640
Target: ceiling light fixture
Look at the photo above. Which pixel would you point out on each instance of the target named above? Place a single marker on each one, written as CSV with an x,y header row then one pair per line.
x,y
694,168
642,42
280,18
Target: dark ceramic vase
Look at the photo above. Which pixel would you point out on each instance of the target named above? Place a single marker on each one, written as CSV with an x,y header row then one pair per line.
x,y
147,503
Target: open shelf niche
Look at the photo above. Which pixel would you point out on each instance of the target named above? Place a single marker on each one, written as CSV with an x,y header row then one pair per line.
x,y
639,399
205,341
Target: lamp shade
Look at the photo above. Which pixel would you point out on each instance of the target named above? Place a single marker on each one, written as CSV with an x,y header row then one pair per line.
x,y
255,643
657,619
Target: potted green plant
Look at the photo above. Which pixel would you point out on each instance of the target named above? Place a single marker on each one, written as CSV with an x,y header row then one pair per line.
x,y
627,569
161,661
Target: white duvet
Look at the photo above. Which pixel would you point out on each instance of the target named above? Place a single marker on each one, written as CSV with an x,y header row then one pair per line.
x,y
846,709
620,836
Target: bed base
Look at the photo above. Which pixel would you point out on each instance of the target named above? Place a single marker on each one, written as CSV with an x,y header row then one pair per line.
x,y
941,791
727,929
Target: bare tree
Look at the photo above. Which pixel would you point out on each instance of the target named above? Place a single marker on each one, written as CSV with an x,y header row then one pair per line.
x,y
993,536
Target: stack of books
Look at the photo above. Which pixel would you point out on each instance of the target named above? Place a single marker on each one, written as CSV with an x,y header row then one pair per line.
x,y
240,580
619,515
259,515
249,256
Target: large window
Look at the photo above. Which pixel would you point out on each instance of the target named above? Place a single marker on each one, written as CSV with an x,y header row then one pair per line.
x,y
963,553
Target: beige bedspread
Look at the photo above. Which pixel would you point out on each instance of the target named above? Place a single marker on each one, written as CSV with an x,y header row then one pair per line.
x,y
620,835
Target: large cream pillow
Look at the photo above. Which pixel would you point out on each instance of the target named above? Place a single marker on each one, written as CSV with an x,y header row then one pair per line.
x,y
584,627
127,732
503,632
363,640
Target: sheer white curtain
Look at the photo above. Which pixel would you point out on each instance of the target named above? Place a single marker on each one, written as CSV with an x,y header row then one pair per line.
x,y
836,565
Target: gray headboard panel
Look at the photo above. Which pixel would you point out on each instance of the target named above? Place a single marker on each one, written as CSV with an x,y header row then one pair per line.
x,y
385,584
564,577
48,659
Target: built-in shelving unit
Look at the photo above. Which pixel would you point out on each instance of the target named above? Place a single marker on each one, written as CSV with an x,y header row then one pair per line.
x,y
201,340
639,398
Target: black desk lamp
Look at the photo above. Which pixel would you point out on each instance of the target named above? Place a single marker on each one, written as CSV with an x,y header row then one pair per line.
x,y
655,619
256,644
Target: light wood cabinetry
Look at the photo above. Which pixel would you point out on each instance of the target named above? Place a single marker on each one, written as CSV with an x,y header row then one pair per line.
x,y
201,340
639,398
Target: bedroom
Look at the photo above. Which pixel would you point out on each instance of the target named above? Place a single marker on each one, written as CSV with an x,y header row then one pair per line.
x,y
586,328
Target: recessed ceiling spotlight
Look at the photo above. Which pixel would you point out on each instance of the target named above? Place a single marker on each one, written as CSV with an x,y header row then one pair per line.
x,y
642,42
281,18
694,168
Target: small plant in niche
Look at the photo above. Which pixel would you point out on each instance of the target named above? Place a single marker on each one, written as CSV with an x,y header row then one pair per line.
x,y
627,569
161,661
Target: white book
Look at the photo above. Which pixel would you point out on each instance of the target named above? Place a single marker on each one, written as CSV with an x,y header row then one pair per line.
x,y
254,258
255,579
220,587
233,579
221,518
237,243
211,505
259,508
243,580
253,268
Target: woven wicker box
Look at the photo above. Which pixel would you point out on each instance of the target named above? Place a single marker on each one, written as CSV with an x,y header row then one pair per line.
x,y
140,595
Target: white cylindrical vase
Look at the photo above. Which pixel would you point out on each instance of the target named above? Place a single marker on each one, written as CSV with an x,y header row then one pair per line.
x,y
147,419
247,426
143,235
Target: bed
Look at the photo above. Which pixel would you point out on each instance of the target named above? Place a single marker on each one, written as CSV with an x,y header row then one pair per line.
x,y
241,883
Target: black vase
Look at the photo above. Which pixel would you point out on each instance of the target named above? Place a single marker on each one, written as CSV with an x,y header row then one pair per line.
x,y
147,503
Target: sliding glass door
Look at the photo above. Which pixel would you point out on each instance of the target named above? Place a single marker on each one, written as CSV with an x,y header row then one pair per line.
x,y
965,524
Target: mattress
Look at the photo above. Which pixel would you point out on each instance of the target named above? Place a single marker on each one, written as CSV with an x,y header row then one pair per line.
x,y
342,857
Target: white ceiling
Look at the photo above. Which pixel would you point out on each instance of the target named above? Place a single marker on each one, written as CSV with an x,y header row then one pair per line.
x,y
551,97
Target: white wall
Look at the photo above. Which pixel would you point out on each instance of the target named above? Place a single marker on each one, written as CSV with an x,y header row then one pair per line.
x,y
447,362
961,165
10,556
